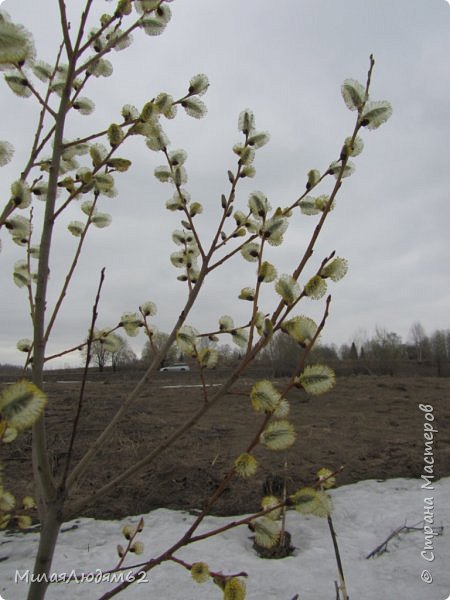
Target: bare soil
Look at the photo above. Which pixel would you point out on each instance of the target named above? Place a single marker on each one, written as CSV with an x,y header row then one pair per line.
x,y
372,426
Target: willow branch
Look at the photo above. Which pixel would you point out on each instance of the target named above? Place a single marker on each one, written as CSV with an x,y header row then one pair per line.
x,y
65,28
41,460
76,419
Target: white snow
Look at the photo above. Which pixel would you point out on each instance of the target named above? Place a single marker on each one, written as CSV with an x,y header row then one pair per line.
x,y
365,514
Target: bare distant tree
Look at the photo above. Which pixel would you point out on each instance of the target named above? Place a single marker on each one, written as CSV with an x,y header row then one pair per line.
x,y
153,346
124,356
283,353
104,354
227,353
420,340
440,351
99,355
384,351
353,354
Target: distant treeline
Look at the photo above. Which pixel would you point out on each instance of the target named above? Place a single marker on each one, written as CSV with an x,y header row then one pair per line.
x,y
382,354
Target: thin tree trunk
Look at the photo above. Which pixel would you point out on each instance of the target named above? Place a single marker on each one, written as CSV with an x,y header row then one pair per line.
x,y
44,557
50,500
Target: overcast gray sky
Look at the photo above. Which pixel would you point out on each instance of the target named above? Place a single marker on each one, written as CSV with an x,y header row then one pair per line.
x,y
287,64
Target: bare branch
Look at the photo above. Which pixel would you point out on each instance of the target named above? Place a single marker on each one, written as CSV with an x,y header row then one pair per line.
x,y
83,383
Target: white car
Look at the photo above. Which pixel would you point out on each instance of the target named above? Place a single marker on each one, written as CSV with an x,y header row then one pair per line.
x,y
176,368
